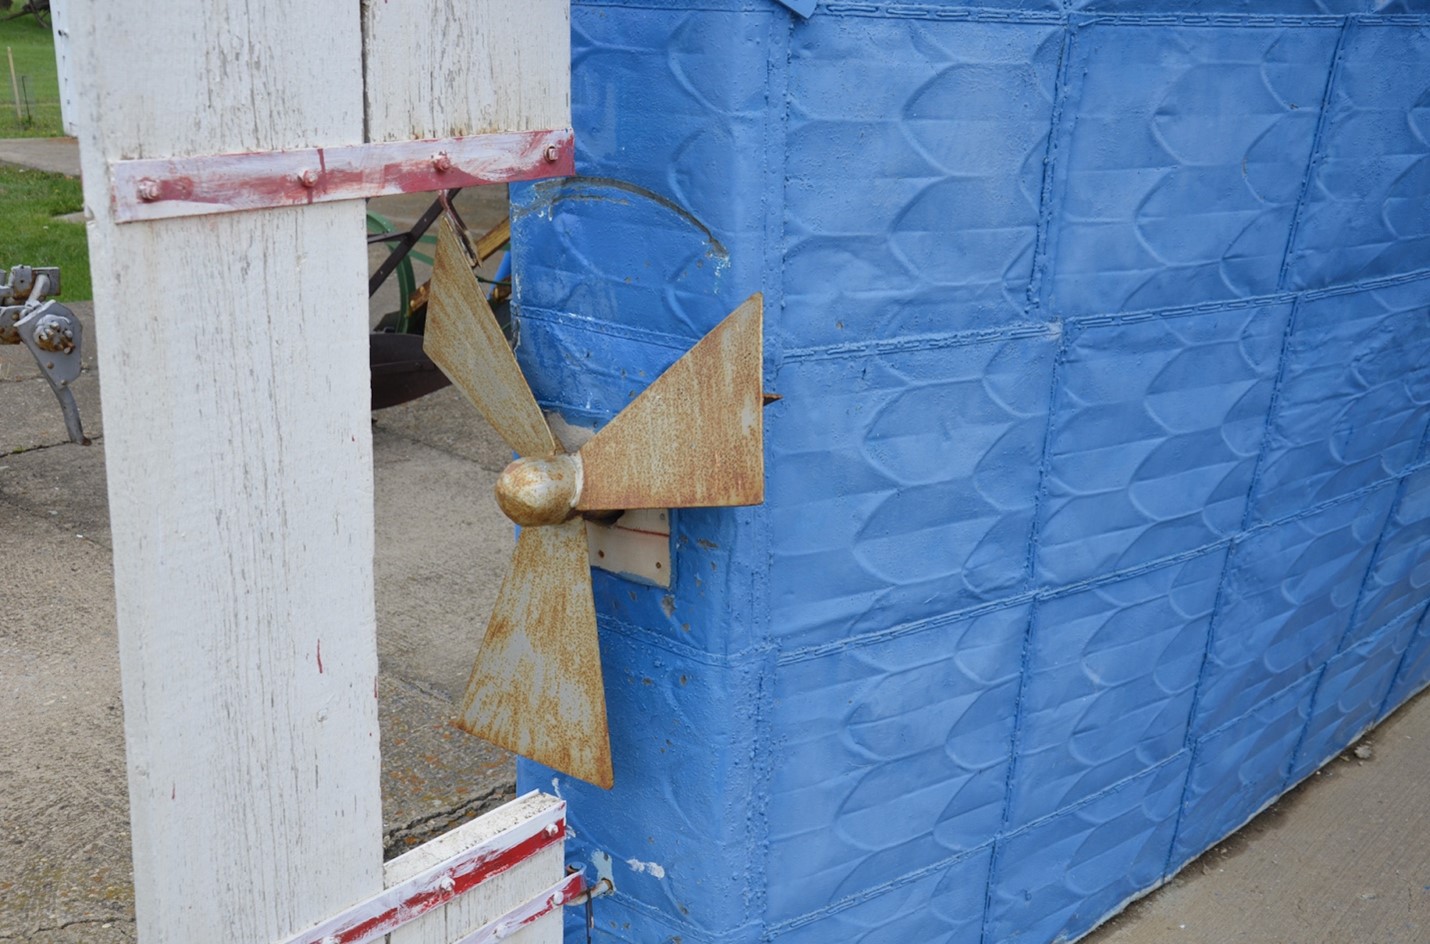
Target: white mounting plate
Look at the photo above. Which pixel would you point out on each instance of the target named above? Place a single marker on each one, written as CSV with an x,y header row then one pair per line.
x,y
637,544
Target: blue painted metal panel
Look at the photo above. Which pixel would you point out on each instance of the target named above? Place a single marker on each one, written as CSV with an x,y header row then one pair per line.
x,y
1181,160
1098,506
1111,675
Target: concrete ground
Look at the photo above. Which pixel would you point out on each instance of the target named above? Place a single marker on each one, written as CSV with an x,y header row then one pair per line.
x,y
56,155
1345,859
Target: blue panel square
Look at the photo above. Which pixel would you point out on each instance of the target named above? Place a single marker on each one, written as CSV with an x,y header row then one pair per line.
x,y
1350,410
591,255
1156,426
904,486
1366,214
1352,689
944,907
1111,675
675,720
1414,673
1056,879
1239,769
672,101
893,757
1399,579
915,167
1287,602
1181,166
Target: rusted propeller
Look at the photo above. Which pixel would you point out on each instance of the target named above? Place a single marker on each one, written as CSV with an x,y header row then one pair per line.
x,y
693,438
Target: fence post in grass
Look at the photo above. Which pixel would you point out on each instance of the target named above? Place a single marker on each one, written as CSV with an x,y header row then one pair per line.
x,y
14,83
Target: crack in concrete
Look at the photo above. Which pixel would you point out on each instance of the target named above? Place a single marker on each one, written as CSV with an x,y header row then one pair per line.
x,y
93,441
400,839
435,447
65,926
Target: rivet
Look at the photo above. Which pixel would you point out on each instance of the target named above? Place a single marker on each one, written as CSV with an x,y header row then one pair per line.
x,y
441,162
308,178
551,154
148,190
552,829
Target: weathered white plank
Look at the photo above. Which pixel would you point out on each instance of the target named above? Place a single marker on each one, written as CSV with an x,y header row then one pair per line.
x,y
437,68
64,62
498,894
238,446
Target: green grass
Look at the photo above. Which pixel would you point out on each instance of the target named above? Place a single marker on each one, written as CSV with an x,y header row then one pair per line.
x,y
29,233
33,47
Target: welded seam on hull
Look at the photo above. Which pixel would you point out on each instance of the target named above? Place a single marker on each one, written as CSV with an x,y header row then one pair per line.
x,y
649,637
883,347
776,179
1314,159
1024,660
1385,705
1040,262
940,620
875,891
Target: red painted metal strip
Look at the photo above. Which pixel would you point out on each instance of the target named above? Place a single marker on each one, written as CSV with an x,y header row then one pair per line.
x,y
523,915
164,188
434,887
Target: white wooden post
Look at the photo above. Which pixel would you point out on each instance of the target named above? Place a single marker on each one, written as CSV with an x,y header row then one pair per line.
x,y
239,451
488,65
64,63
238,440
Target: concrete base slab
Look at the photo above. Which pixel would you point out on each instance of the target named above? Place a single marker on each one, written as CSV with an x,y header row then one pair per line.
x,y
64,812
62,486
443,548
445,421
54,155
1342,859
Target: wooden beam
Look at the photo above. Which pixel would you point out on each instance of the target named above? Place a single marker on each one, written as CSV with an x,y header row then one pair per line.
x,y
437,69
239,454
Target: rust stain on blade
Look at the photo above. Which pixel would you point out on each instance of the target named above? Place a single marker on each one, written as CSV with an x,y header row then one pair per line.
x,y
536,688
464,339
694,437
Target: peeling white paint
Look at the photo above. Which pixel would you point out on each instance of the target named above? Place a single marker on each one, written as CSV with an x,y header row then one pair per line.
x,y
602,862
653,868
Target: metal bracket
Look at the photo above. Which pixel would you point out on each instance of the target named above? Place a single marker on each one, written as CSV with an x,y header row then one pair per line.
x,y
636,543
54,335
21,282
164,188
49,330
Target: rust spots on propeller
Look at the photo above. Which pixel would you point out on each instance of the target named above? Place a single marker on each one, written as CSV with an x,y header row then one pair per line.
x,y
695,437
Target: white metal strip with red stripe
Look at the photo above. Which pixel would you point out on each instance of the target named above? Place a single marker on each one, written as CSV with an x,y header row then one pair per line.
x,y
433,887
523,915
164,188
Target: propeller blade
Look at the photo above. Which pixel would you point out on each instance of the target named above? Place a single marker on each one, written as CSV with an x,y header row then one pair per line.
x,y
536,687
694,437
463,338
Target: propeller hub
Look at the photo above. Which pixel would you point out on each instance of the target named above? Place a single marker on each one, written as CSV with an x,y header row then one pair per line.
x,y
534,492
